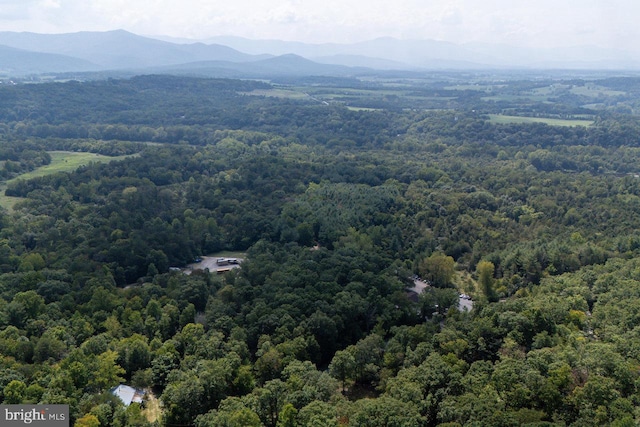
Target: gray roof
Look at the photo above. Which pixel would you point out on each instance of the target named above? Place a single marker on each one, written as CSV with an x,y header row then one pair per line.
x,y
128,394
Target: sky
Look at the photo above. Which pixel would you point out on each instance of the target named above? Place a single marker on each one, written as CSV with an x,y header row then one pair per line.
x,y
539,23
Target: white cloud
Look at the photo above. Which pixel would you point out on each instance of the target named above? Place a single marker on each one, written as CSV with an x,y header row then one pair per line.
x,y
541,23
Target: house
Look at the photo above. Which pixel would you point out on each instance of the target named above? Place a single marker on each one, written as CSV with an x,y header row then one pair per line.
x,y
128,394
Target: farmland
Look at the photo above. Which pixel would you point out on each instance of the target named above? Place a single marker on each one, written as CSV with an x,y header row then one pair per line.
x,y
502,119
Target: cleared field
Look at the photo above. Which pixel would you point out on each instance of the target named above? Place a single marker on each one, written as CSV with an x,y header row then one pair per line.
x,y
477,87
7,202
364,109
228,254
345,91
277,93
61,161
500,119
66,161
594,91
517,98
152,410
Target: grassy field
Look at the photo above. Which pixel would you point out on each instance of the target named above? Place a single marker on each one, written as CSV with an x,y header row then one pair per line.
x,y
229,254
7,202
364,109
277,93
537,97
61,161
594,91
477,87
66,161
500,119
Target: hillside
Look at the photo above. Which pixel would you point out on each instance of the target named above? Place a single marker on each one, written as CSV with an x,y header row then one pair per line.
x,y
16,62
342,193
120,49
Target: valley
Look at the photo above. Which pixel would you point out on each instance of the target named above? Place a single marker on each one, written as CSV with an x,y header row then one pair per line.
x,y
516,197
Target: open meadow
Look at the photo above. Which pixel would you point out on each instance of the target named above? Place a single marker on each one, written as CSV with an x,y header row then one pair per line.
x,y
500,119
61,161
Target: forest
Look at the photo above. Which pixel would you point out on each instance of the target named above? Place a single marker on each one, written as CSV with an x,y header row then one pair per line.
x,y
338,197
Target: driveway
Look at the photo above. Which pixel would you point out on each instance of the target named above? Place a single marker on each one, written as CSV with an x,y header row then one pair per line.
x,y
211,263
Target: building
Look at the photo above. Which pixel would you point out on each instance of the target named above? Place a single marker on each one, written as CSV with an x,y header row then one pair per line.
x,y
128,394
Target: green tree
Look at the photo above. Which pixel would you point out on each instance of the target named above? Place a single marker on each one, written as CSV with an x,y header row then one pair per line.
x,y
232,412
270,400
485,271
88,420
244,417
438,268
269,365
14,392
133,353
343,367
318,414
106,373
49,347
384,412
183,398
288,416
33,303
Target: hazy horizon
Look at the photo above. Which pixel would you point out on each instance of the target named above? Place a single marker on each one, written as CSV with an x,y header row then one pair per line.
x,y
545,24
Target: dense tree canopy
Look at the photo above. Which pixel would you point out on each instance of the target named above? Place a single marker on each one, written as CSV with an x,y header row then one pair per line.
x,y
336,210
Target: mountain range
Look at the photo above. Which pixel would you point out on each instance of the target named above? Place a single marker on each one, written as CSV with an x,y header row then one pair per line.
x,y
24,53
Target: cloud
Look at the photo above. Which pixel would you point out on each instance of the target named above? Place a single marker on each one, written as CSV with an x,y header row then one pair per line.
x,y
541,23
15,9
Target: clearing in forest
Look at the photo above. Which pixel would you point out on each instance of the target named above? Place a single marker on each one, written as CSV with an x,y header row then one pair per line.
x,y
61,161
152,410
500,119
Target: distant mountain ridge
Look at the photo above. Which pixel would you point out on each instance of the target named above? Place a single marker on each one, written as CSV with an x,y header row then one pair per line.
x,y
289,65
430,54
119,50
19,62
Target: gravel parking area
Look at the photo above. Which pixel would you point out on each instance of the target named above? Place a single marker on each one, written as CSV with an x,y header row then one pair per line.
x,y
211,262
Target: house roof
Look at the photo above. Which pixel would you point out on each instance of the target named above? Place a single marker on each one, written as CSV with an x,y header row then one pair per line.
x,y
128,394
